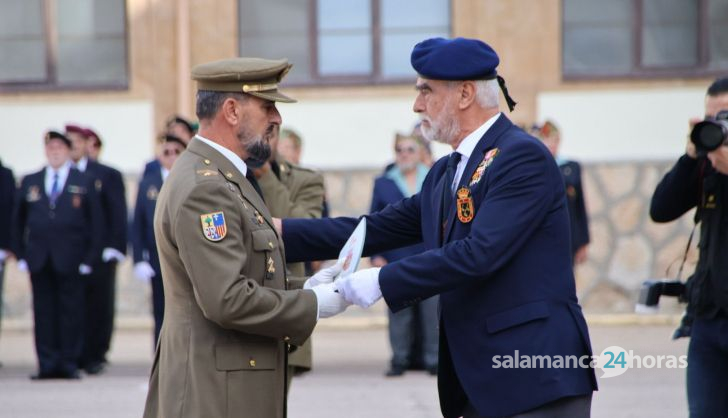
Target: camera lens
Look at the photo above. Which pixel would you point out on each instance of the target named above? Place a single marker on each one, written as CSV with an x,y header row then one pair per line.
x,y
708,135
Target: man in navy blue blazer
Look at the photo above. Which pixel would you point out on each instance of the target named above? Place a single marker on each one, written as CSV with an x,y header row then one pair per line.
x,y
494,223
56,236
101,289
146,258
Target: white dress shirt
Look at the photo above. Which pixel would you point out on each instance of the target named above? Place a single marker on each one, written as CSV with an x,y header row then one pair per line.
x,y
82,164
237,161
62,177
467,146
165,174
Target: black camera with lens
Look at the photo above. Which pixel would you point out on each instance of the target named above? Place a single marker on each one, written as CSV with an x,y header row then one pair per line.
x,y
711,133
651,291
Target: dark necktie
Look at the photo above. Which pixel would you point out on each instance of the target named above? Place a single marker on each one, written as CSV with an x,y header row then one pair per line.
x,y
447,194
54,189
251,178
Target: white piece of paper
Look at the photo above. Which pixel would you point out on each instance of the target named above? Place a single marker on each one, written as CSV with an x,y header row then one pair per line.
x,y
350,254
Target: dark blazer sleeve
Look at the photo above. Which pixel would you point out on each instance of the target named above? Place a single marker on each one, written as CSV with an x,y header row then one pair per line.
x,y
581,238
139,224
7,201
20,218
523,190
396,226
95,218
117,210
678,192
378,203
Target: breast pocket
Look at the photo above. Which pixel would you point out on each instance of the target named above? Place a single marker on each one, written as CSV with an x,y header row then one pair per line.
x,y
265,246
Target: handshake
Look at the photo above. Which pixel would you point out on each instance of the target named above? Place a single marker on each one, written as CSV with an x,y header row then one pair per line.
x,y
360,288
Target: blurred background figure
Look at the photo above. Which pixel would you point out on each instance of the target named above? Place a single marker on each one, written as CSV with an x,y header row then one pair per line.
x,y
176,126
7,196
403,179
57,236
571,171
94,146
291,191
101,286
426,157
146,259
290,146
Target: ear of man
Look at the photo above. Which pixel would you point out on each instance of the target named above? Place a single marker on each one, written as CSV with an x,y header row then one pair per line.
x,y
467,91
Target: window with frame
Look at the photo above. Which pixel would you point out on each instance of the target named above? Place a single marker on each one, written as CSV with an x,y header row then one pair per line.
x,y
634,38
341,41
62,44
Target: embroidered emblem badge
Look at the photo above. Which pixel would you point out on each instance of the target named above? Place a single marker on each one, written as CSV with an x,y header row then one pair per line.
x,y
465,205
213,226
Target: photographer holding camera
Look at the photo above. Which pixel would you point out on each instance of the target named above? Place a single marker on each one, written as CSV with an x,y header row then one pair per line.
x,y
700,179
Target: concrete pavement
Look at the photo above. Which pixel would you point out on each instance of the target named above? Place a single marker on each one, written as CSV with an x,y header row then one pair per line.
x,y
347,380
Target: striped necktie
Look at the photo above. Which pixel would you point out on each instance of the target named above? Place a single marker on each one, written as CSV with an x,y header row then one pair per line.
x,y
55,192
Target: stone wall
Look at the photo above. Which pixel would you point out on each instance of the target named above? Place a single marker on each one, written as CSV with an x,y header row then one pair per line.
x,y
626,246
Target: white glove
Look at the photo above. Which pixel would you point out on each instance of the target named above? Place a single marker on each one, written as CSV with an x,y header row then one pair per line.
x,y
112,254
23,266
323,276
361,288
143,271
84,269
329,302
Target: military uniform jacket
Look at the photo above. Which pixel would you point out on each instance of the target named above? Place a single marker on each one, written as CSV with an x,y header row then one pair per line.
x,y
68,234
501,263
294,192
228,318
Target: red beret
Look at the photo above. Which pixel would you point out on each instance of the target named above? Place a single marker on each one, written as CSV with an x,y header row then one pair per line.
x,y
76,129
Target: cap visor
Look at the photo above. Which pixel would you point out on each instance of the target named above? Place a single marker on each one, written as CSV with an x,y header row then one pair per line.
x,y
272,95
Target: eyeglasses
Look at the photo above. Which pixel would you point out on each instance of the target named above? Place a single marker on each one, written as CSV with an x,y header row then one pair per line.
x,y
410,150
170,152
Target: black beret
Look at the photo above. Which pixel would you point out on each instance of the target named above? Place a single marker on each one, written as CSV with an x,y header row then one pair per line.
x,y
50,135
454,59
167,138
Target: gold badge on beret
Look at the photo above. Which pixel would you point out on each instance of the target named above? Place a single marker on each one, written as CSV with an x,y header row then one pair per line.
x,y
466,211
213,226
487,161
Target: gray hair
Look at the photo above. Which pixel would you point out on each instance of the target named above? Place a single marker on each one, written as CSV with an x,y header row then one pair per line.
x,y
209,102
487,93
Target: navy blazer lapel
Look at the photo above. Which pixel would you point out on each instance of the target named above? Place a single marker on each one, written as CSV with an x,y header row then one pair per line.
x,y
437,204
485,144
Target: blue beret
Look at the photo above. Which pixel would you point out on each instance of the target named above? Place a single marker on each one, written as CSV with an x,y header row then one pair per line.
x,y
454,59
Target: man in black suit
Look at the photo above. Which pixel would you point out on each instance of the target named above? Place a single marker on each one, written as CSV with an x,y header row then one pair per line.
x,y
7,196
100,290
571,171
56,237
146,259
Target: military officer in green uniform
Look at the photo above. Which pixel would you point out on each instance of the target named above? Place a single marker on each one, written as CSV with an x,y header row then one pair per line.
x,y
230,317
291,191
